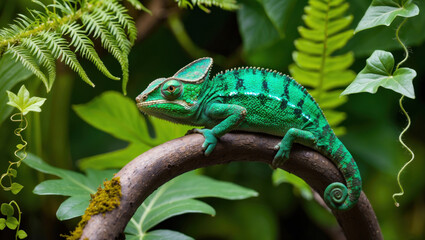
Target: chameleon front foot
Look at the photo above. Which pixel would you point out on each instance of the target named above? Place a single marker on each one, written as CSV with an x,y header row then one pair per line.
x,y
210,140
281,156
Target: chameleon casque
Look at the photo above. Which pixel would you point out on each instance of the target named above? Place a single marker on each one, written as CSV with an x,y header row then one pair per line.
x,y
254,100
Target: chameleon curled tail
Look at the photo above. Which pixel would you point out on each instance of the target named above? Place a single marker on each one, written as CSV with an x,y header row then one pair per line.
x,y
337,195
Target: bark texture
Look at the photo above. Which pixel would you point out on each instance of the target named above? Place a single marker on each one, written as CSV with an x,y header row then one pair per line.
x,y
150,170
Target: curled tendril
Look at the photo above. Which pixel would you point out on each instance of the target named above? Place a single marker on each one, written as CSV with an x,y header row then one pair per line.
x,y
401,193
406,53
335,194
20,151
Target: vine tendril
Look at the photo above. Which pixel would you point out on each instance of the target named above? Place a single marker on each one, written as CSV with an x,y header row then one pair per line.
x,y
401,193
20,151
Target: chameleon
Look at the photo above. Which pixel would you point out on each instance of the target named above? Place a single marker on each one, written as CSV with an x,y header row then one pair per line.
x,y
254,100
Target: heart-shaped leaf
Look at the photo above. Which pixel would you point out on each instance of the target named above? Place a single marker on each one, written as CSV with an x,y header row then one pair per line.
x,y
378,73
2,223
383,12
7,209
12,222
16,188
22,234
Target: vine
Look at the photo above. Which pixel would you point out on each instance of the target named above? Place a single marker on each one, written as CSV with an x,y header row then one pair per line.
x,y
406,56
24,104
379,68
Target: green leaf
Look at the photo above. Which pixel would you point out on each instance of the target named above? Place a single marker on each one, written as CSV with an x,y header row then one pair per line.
x,y
7,209
263,22
2,223
73,184
315,64
23,102
11,73
115,114
16,188
118,115
383,12
22,234
12,222
13,172
114,159
162,234
280,176
176,198
378,73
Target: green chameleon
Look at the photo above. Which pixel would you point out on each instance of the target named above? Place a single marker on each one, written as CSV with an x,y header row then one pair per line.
x,y
254,100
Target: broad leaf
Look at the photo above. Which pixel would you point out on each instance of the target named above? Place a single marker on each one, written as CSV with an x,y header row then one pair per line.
x,y
263,22
379,73
162,235
24,102
11,73
282,176
383,12
176,198
118,115
75,185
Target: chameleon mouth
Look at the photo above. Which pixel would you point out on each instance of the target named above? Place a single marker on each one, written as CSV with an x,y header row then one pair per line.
x,y
143,105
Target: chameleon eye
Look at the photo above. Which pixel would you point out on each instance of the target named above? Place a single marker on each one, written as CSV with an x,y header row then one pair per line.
x,y
172,89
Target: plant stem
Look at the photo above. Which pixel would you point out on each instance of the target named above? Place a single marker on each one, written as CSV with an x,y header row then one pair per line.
x,y
401,193
19,217
406,51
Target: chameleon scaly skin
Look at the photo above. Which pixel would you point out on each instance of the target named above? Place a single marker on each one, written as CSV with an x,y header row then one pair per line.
x,y
255,100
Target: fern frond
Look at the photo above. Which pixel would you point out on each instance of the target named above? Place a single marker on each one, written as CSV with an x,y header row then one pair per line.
x,y
203,4
38,48
60,49
315,65
96,26
23,55
85,46
124,19
47,35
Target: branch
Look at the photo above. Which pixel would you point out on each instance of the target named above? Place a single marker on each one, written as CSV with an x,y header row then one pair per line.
x,y
147,172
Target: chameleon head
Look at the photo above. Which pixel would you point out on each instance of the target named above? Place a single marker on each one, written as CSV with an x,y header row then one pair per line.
x,y
168,98
176,98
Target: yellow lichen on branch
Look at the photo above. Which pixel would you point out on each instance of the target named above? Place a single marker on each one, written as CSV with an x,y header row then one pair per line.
x,y
104,200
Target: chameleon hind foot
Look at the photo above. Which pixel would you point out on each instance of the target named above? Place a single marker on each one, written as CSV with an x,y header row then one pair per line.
x,y
210,140
281,156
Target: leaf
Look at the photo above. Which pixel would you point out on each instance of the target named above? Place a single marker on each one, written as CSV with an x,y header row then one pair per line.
x,y
118,115
13,172
11,73
12,222
7,209
383,12
176,198
2,223
115,159
22,234
16,188
378,73
224,4
115,114
316,65
281,176
162,235
73,184
23,102
262,23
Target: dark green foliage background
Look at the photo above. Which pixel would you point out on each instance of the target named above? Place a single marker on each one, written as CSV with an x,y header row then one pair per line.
x,y
373,125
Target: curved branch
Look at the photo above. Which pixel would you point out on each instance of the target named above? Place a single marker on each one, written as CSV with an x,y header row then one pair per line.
x,y
147,172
